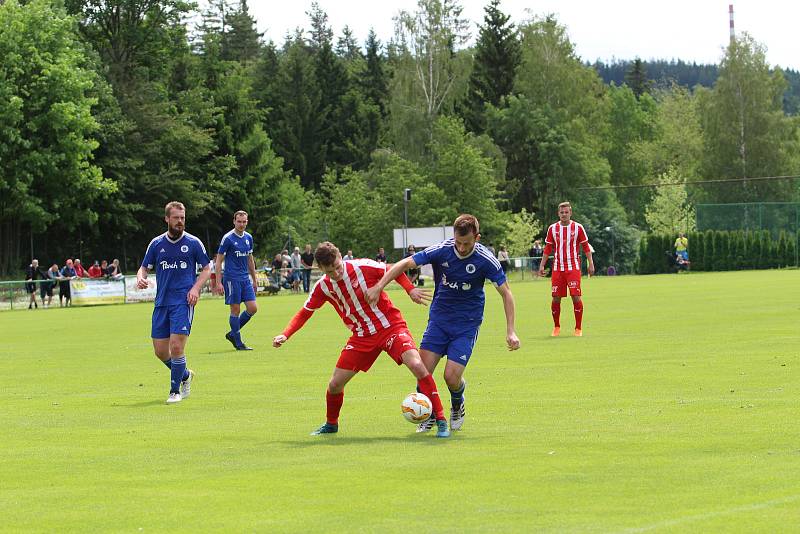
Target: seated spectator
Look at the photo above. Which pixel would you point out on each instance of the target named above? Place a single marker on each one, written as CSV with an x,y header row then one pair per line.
x,y
114,271
95,271
79,270
104,268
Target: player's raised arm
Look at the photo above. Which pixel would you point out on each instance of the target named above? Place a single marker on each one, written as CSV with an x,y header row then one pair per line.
x,y
508,306
374,292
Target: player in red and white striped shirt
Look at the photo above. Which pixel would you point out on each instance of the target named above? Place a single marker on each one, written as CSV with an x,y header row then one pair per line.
x,y
563,239
375,328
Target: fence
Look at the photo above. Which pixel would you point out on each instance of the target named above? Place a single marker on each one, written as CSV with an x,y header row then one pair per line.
x,y
774,217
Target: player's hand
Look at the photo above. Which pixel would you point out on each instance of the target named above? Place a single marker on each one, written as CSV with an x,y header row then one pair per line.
x,y
512,341
541,270
193,296
372,295
218,289
420,296
142,283
591,269
255,286
278,340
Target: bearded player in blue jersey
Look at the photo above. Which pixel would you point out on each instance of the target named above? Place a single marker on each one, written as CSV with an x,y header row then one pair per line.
x,y
175,256
461,265
239,281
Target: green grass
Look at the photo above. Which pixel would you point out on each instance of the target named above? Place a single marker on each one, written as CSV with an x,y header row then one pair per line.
x,y
677,411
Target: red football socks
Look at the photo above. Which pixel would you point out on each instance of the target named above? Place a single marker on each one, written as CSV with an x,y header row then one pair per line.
x,y
578,308
427,387
334,403
555,308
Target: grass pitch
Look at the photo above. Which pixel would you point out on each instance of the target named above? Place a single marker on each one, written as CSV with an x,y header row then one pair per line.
x,y
677,411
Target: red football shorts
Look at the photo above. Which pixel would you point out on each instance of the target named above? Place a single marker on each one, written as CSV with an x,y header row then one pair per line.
x,y
361,352
563,280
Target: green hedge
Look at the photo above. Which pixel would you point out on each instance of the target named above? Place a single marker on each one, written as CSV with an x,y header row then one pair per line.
x,y
716,250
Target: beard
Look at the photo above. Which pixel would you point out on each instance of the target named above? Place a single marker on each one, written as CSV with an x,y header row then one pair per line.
x,y
175,231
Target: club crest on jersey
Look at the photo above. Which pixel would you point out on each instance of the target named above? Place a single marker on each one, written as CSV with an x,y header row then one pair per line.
x,y
470,268
184,265
184,248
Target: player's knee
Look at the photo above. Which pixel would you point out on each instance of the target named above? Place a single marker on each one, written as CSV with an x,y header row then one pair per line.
x,y
335,387
415,365
452,378
176,349
252,309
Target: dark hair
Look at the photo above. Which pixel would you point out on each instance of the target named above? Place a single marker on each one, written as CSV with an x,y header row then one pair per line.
x,y
326,253
466,224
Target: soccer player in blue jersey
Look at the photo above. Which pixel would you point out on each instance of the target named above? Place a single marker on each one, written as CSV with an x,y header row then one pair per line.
x,y
239,282
175,256
461,265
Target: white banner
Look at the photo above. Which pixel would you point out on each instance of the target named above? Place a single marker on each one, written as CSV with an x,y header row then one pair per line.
x,y
134,294
91,291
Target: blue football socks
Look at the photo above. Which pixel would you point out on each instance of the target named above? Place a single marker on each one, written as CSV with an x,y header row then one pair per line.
x,y
457,396
233,320
168,363
177,372
243,319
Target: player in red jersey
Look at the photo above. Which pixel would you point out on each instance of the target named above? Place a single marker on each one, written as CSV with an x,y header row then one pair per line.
x,y
563,239
375,328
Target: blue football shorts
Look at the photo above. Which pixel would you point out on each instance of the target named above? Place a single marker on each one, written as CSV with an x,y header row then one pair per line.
x,y
237,292
455,341
175,319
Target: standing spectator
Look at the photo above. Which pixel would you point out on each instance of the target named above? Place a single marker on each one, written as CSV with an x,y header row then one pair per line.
x,y
307,257
381,256
277,265
33,273
296,264
64,293
491,249
114,270
95,271
46,288
536,256
682,247
505,261
348,256
79,270
286,257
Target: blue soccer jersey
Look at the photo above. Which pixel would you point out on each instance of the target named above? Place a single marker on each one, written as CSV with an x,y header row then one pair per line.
x,y
459,295
176,264
237,250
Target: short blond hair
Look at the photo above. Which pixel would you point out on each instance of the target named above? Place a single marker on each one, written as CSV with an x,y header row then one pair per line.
x,y
170,205
240,212
565,205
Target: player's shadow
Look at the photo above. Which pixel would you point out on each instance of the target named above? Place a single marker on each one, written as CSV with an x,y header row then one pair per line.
x,y
338,440
143,404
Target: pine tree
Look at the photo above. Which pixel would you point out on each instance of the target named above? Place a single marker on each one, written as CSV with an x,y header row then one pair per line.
x,y
321,31
347,46
497,56
374,80
242,41
636,78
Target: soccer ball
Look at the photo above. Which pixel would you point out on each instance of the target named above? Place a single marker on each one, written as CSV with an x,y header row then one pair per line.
x,y
416,408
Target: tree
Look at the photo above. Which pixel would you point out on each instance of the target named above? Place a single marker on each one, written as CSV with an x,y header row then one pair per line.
x,y
669,212
241,41
46,126
746,132
321,31
636,78
522,229
374,80
429,37
497,57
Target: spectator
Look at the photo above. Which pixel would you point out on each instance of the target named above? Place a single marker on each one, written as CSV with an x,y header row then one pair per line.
x,y
505,261
297,269
348,256
536,256
79,270
491,249
114,270
33,273
104,268
285,257
95,271
307,257
64,293
381,256
413,274
46,289
277,265
682,247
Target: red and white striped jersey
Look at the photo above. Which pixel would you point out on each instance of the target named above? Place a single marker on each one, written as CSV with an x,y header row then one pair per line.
x,y
565,240
347,297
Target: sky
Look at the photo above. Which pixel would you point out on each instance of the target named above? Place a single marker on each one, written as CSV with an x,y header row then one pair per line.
x,y
606,30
